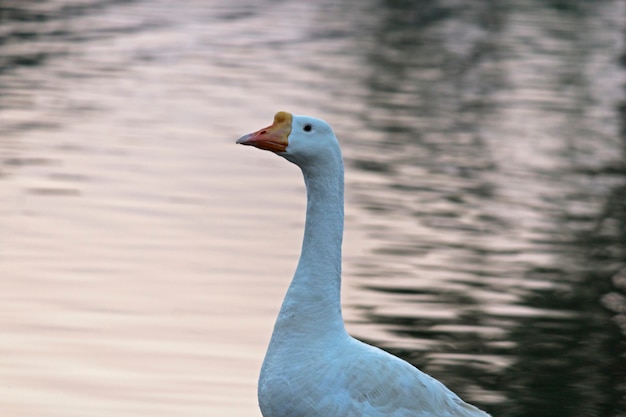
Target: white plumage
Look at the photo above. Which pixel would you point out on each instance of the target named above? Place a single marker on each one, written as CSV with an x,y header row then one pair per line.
x,y
313,368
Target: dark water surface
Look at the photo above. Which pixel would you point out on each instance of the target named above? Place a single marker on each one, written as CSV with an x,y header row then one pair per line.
x,y
143,256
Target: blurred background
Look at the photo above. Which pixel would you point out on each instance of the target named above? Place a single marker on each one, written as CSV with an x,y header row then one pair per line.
x,y
144,256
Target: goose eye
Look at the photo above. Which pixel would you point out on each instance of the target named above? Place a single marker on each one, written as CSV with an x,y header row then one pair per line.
x,y
307,127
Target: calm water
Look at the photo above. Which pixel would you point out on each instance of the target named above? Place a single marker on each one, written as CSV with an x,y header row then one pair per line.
x,y
144,256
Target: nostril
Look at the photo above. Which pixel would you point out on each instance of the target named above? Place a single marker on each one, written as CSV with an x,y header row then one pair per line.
x,y
263,132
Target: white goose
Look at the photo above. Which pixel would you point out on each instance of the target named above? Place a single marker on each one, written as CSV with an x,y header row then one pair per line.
x,y
312,367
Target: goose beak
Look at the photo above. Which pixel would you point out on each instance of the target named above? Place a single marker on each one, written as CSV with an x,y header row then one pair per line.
x,y
273,138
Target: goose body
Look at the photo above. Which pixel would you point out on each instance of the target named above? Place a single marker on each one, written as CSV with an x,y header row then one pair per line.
x,y
313,367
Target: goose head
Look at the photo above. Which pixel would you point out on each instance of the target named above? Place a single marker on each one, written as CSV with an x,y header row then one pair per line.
x,y
303,140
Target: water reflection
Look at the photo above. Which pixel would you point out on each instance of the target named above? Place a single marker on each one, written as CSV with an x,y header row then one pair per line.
x,y
575,365
486,188
493,145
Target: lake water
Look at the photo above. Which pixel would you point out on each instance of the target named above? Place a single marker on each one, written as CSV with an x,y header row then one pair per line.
x,y
144,256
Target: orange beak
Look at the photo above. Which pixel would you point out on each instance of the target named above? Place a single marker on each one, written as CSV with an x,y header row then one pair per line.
x,y
272,138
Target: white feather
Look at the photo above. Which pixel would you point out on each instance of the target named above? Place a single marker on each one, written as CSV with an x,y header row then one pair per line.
x,y
313,368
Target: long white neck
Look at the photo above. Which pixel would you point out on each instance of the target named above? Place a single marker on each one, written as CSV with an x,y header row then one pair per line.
x,y
312,306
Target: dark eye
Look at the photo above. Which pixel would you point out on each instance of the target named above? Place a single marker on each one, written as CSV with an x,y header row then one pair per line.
x,y
307,127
